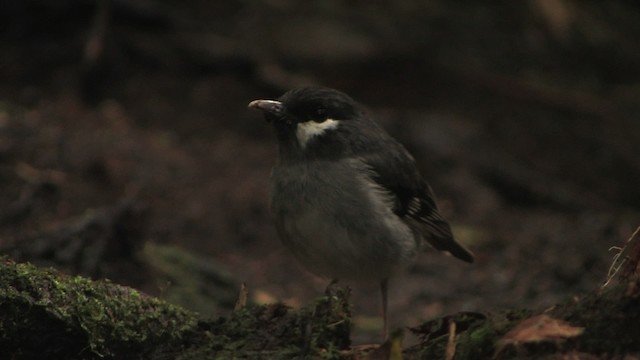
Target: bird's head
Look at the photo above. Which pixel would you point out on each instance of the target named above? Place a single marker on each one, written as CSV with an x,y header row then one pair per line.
x,y
309,115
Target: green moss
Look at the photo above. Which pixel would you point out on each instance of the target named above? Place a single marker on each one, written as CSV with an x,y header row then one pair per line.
x,y
43,312
277,332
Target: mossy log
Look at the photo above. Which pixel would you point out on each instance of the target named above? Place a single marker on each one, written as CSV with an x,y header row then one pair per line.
x,y
46,314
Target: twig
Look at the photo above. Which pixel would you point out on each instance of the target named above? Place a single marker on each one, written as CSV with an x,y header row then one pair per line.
x,y
242,298
622,257
451,342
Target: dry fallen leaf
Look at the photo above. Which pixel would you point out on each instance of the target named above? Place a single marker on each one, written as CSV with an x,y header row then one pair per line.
x,y
539,329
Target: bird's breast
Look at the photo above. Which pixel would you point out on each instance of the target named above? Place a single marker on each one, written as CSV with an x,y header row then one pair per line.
x,y
337,222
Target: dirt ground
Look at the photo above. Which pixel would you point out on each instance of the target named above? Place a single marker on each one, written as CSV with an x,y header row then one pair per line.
x,y
125,123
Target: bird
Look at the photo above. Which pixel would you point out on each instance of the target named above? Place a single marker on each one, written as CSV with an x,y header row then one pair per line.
x,y
347,198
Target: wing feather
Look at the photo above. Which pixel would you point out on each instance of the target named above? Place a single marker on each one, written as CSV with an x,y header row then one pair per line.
x,y
394,170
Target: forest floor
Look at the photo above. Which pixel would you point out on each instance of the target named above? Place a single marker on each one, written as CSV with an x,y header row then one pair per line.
x,y
138,161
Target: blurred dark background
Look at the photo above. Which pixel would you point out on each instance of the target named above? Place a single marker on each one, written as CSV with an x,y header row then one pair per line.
x,y
127,151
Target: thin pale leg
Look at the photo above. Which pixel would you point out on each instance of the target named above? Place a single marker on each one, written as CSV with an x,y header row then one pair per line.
x,y
384,286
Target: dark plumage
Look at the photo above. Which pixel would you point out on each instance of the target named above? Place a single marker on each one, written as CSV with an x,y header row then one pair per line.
x,y
347,197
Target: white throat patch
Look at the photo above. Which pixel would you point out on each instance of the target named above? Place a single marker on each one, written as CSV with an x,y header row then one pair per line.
x,y
307,130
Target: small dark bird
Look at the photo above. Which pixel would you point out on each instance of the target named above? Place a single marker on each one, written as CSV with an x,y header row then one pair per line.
x,y
347,198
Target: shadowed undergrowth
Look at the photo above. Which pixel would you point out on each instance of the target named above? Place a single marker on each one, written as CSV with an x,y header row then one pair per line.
x,y
44,313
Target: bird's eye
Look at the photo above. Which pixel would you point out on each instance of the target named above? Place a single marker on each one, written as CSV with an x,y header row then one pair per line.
x,y
321,115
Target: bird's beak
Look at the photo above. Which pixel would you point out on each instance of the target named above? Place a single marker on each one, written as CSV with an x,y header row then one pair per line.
x,y
269,107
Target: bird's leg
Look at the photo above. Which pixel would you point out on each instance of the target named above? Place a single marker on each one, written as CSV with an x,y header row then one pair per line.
x,y
384,286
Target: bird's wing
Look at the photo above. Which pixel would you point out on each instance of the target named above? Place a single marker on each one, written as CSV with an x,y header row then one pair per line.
x,y
414,202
